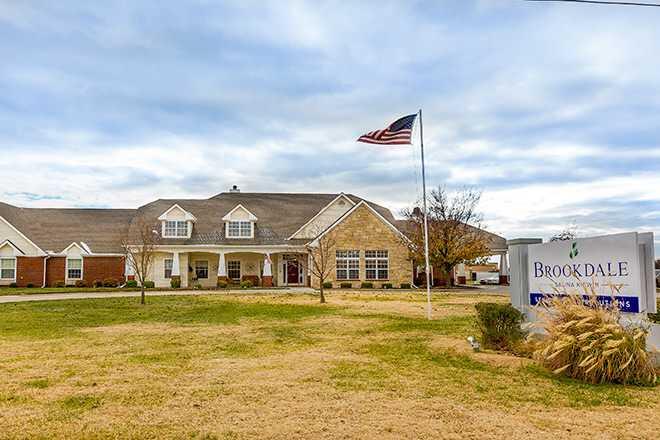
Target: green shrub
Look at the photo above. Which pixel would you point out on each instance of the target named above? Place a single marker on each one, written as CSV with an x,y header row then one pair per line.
x,y
500,326
131,283
197,286
97,283
149,284
59,284
81,283
588,342
175,283
367,285
406,286
387,285
29,285
246,284
222,284
327,285
110,282
13,285
346,285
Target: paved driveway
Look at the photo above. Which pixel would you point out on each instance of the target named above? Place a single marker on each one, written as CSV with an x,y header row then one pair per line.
x,y
120,294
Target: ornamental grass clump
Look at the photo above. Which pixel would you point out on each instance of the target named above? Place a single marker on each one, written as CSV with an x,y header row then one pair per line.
x,y
586,341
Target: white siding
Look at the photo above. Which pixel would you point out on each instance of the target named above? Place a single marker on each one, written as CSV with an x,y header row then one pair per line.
x,y
327,217
8,233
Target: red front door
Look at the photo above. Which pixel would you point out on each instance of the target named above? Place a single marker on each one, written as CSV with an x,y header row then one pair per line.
x,y
292,272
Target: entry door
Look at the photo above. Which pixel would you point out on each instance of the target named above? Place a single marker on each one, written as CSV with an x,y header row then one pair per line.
x,y
292,272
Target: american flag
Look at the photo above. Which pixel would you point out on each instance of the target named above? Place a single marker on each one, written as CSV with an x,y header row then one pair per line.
x,y
399,132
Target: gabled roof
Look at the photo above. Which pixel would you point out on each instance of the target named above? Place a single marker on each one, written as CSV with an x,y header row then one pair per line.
x,y
74,244
325,208
188,215
251,216
11,245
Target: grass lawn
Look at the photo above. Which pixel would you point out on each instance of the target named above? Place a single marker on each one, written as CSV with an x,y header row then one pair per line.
x,y
283,366
39,290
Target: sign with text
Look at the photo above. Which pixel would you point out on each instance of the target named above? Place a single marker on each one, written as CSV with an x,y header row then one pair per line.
x,y
610,266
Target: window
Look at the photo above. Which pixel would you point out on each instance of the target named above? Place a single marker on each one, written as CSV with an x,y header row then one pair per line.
x,y
8,268
175,228
202,269
74,268
168,267
234,270
376,264
348,265
239,229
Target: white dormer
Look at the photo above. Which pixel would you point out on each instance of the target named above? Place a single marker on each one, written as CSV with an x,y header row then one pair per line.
x,y
177,223
239,223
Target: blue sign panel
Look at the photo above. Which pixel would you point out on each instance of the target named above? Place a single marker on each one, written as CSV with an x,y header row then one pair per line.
x,y
629,304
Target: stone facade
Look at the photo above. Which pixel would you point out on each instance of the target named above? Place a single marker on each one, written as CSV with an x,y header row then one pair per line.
x,y
362,230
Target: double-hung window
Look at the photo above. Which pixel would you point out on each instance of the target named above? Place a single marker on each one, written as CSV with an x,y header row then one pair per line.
x,y
234,270
348,265
239,229
175,229
202,269
168,262
376,265
8,268
74,268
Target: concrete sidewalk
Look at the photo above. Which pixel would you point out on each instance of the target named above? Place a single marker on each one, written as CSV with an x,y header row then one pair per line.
x,y
124,294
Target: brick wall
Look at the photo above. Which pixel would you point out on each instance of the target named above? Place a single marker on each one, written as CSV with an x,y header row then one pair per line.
x,y
29,270
101,268
362,230
55,270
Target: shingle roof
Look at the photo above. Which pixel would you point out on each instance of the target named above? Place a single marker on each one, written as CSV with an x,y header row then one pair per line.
x,y
495,242
279,214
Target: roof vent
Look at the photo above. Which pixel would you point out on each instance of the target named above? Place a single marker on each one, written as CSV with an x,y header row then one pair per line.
x,y
234,189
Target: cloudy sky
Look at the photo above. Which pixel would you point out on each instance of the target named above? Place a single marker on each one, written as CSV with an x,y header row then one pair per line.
x,y
553,110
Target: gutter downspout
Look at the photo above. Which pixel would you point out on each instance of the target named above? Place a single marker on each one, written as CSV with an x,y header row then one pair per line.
x,y
45,259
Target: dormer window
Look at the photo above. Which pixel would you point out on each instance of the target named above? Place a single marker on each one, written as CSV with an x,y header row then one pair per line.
x,y
177,223
239,229
239,223
175,229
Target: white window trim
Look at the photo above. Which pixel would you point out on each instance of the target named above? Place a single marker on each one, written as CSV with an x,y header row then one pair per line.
x,y
188,229
208,269
377,269
165,260
15,268
348,268
82,268
238,237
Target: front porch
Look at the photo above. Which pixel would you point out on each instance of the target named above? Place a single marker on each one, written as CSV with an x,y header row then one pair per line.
x,y
205,268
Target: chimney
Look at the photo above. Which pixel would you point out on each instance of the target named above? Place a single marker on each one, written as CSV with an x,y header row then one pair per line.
x,y
234,189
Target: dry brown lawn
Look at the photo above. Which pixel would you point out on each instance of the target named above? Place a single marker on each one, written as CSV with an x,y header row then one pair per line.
x,y
280,366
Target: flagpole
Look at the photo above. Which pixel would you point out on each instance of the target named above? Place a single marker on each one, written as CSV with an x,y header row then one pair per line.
x,y
426,222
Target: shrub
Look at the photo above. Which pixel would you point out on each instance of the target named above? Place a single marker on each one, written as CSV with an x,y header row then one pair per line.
x,y
246,284
367,285
13,285
222,284
327,285
500,326
175,283
110,282
588,342
346,285
97,283
131,283
29,285
406,285
655,317
149,284
81,283
59,284
197,286
387,285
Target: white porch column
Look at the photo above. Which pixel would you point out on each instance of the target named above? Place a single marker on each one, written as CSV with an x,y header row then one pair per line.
x,y
504,264
268,266
176,269
222,267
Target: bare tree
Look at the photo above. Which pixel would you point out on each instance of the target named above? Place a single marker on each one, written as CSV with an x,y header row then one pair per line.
x,y
139,244
565,235
321,263
455,234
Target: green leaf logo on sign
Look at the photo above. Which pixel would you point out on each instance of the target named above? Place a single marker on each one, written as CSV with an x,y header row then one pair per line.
x,y
574,250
